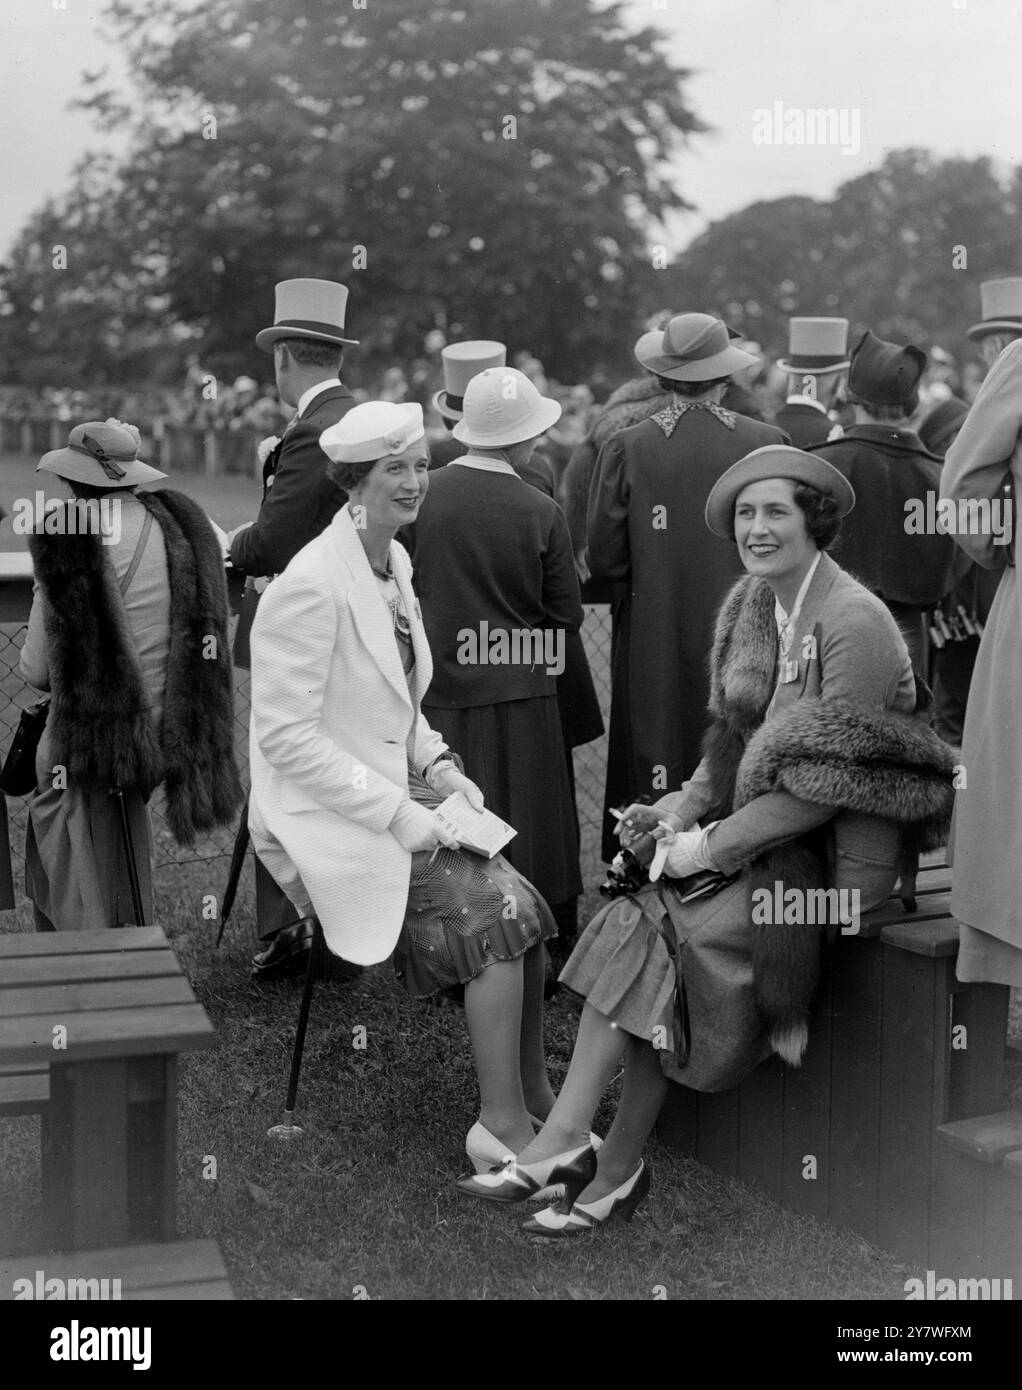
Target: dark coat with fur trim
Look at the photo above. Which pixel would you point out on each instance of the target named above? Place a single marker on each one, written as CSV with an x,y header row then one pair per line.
x,y
100,724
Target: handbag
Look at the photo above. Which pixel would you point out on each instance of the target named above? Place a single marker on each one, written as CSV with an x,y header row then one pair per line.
x,y
17,778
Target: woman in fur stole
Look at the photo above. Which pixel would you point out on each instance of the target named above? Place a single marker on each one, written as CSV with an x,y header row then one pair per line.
x,y
818,772
128,631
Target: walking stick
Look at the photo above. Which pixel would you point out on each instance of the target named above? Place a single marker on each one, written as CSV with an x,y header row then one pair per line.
x,y
287,1129
234,872
129,855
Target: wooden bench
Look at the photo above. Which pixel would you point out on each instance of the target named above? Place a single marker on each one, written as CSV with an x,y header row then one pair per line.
x,y
192,1269
24,1090
898,1047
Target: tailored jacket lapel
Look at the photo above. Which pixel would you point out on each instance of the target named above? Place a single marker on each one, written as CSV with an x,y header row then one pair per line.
x,y
807,654
368,607
423,672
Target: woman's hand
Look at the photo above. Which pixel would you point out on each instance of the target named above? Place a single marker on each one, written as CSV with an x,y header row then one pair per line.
x,y
638,819
417,829
446,779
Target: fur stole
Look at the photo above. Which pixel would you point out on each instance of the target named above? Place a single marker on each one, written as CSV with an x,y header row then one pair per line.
x,y
100,724
629,405
828,752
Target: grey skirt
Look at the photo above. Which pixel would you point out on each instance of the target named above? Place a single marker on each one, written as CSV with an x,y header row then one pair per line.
x,y
623,968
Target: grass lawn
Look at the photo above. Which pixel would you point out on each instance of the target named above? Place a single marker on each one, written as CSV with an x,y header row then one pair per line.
x,y
364,1203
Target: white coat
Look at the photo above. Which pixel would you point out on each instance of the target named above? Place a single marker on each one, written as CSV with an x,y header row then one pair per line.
x,y
331,717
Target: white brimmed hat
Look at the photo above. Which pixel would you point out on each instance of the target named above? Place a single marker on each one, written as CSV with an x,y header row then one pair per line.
x,y
1001,306
692,347
312,309
373,431
773,461
101,453
816,346
463,361
503,407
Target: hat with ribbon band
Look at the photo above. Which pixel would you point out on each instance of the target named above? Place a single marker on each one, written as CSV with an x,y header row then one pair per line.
x,y
103,454
463,361
692,347
311,309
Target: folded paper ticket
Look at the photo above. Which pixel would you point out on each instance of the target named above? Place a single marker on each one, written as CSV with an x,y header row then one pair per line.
x,y
480,831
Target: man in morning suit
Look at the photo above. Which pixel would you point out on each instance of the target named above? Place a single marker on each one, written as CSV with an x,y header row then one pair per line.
x,y
816,364
299,500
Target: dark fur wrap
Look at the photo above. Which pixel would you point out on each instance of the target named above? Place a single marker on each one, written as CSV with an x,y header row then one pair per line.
x,y
829,752
100,723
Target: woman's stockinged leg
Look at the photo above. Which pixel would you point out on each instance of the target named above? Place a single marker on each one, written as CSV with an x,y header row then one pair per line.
x,y
597,1054
493,1011
539,1096
642,1096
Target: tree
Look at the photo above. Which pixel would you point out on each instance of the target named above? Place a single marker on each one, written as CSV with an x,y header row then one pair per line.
x,y
882,253
493,169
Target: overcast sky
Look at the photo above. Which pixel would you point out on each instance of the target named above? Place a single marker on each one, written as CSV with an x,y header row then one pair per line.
x,y
942,74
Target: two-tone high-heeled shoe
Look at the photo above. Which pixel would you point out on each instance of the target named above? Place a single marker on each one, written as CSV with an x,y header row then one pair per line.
x,y
485,1150
512,1181
565,1219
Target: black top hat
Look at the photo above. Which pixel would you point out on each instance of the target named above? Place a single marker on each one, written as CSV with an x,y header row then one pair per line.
x,y
884,373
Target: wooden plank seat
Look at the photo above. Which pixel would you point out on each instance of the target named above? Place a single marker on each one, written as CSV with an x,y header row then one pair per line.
x,y
979,1178
24,1090
100,1018
191,1269
897,1047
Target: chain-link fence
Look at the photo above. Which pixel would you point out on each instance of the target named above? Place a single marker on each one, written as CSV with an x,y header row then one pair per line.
x,y
590,760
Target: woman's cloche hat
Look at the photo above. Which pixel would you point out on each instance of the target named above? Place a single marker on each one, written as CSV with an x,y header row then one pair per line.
x,y
692,347
816,346
463,361
503,407
1000,304
312,309
373,430
101,453
773,461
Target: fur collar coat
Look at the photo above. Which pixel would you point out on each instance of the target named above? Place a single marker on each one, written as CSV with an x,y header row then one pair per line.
x,y
100,724
828,751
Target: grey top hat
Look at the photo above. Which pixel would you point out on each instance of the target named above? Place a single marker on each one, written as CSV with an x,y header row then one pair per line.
x,y
463,361
1001,306
816,346
312,309
101,453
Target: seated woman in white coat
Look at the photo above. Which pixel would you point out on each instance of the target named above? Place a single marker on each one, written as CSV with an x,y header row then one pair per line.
x,y
346,771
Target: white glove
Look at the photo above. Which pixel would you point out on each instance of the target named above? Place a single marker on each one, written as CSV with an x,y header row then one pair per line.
x,y
417,829
445,779
680,853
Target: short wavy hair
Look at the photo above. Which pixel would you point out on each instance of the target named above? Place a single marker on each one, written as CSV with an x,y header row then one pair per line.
x,y
349,475
823,520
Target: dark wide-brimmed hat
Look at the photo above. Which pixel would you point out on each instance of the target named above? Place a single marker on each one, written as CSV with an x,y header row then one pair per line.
x,y
774,461
884,373
1000,303
692,347
312,309
101,453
